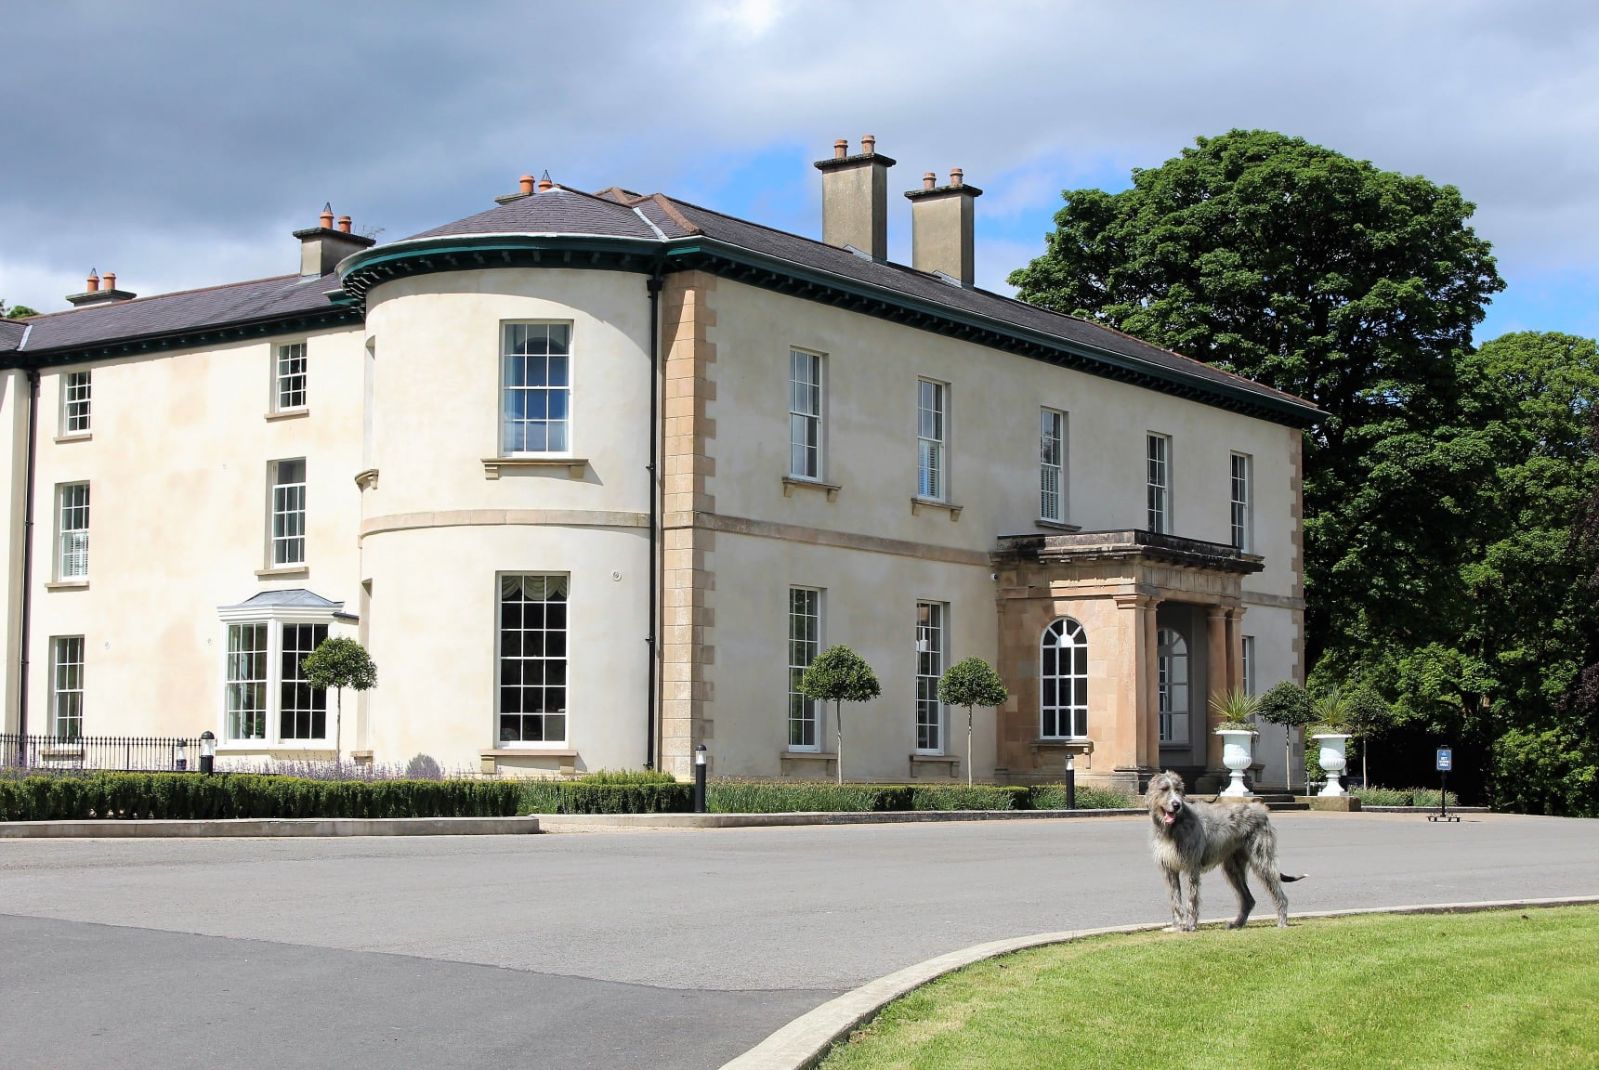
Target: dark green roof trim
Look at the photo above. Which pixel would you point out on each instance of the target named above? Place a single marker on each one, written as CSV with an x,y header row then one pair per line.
x,y
364,270
220,334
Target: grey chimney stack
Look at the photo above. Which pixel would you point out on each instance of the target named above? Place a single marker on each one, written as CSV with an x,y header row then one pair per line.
x,y
941,226
855,198
323,246
100,290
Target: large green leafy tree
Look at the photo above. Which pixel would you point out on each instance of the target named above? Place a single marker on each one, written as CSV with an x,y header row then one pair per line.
x,y
1322,275
15,312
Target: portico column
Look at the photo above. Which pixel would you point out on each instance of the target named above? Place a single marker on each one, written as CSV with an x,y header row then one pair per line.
x,y
1151,708
1136,718
1218,634
1235,648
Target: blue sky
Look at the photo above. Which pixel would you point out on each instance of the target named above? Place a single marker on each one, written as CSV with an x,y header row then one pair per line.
x,y
177,143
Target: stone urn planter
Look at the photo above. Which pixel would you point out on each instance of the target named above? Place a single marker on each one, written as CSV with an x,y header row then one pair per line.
x,y
1333,759
1237,754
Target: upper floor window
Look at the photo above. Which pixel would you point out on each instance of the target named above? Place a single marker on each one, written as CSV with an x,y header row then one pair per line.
x,y
536,388
1158,483
1052,466
72,531
66,687
532,662
289,378
287,532
1063,681
804,643
804,414
76,390
931,417
1242,508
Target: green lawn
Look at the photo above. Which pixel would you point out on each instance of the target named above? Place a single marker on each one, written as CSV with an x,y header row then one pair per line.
x,y
1490,991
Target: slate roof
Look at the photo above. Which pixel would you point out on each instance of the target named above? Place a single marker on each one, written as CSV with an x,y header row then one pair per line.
x,y
296,597
11,332
614,214
554,211
188,310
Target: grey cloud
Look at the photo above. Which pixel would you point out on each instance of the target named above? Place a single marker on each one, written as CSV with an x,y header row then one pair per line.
x,y
151,138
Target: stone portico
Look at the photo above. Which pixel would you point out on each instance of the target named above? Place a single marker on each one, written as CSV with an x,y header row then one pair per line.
x,y
1120,587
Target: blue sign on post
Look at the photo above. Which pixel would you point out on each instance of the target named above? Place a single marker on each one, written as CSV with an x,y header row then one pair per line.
x,y
1446,760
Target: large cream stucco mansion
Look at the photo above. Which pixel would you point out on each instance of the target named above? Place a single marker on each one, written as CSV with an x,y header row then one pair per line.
x,y
593,476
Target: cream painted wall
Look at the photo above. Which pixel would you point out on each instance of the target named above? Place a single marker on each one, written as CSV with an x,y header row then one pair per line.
x,y
13,488
177,467
871,372
872,367
870,605
437,345
433,632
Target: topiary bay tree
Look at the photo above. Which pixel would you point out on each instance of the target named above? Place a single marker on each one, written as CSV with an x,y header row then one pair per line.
x,y
340,663
839,675
1370,716
971,682
1286,704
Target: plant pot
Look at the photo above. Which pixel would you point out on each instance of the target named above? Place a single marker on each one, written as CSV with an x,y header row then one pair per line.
x,y
1237,754
1333,759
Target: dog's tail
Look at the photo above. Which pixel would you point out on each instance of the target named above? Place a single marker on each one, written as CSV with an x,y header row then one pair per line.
x,y
1286,879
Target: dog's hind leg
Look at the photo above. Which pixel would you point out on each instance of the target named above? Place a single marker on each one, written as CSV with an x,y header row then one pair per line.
x,y
1269,877
1237,871
1174,886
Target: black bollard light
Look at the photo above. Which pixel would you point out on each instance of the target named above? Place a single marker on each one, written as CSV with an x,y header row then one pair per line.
x,y
208,751
1071,781
180,757
699,779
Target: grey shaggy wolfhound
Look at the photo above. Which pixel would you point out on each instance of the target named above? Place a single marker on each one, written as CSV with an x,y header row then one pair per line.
x,y
1193,837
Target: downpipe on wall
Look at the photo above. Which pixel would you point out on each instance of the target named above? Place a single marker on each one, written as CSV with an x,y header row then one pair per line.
x,y
653,284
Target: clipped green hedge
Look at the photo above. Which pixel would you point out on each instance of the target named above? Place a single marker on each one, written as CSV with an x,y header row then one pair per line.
x,y
800,796
975,797
1423,797
64,797
1053,797
603,797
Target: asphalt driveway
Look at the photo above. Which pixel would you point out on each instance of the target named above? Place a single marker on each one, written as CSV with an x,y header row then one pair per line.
x,y
607,950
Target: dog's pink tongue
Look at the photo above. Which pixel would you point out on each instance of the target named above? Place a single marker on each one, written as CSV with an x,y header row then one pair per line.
x,y
1169,817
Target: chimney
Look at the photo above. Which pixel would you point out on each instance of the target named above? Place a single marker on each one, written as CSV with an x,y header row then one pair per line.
x,y
323,246
100,291
545,185
855,198
524,189
941,226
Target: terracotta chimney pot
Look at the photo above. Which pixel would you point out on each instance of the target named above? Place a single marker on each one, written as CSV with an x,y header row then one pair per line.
x,y
840,149
545,183
93,284
327,217
110,280
957,177
869,144
344,224
527,184
929,180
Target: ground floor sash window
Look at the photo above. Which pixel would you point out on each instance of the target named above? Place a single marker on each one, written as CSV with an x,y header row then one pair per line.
x,y
532,659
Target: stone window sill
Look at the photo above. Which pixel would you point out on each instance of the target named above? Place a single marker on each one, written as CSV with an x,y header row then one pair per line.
x,y
67,585
1057,525
287,414
76,436
793,483
249,748
792,757
1076,746
920,504
575,466
921,761
490,759
284,571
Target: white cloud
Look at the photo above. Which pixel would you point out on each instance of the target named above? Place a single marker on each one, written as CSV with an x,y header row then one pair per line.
x,y
151,130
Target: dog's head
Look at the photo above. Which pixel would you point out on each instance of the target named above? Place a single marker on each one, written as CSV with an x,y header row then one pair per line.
x,y
1165,798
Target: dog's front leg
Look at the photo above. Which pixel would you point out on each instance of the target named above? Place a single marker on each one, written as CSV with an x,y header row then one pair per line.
x,y
1193,902
1174,886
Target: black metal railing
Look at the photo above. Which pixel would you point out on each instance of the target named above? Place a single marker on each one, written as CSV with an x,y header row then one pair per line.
x,y
139,753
